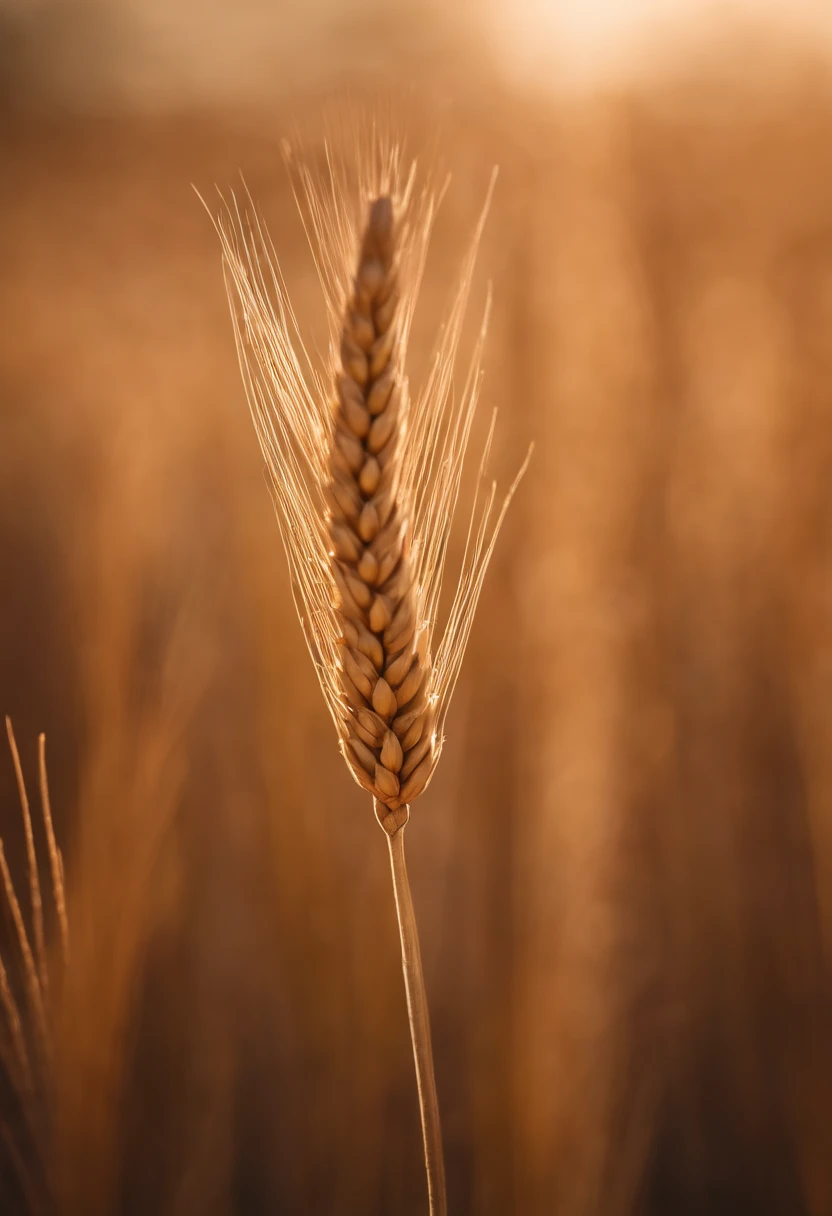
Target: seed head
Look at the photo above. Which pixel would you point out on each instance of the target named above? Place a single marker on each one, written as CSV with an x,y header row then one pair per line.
x,y
365,478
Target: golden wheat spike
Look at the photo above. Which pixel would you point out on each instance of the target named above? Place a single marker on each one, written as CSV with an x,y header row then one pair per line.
x,y
384,664
365,478
31,861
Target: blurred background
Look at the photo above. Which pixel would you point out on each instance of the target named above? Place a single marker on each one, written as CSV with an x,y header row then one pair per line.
x,y
623,869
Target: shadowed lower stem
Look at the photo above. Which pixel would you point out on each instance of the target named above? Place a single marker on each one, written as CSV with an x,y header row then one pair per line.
x,y
417,1009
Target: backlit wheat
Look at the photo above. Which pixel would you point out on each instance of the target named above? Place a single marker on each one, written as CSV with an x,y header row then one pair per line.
x,y
366,478
365,481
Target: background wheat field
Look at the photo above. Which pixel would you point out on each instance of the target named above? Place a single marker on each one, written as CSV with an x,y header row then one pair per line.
x,y
623,869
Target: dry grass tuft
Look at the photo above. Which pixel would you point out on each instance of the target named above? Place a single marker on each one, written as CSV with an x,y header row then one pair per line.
x,y
27,1000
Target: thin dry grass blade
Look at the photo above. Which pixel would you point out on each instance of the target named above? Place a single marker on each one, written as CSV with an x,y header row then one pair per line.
x,y
55,859
31,862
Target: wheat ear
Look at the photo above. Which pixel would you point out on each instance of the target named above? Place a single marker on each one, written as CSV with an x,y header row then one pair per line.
x,y
365,482
384,657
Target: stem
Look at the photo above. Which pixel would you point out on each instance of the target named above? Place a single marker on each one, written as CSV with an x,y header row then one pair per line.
x,y
417,1009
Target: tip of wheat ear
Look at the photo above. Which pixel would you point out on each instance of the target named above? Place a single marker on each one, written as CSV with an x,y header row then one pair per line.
x,y
384,663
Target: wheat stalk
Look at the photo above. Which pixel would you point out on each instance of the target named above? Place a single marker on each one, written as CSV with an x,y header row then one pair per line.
x,y
365,482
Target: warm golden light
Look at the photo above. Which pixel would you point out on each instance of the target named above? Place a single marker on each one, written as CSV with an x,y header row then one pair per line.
x,y
622,866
